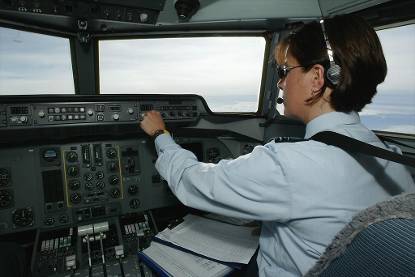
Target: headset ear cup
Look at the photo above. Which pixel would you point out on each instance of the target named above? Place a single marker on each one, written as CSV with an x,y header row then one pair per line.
x,y
333,73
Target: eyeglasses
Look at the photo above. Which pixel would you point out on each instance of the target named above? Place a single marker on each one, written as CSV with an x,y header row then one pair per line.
x,y
283,70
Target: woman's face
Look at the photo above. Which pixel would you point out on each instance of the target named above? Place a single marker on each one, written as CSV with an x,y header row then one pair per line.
x,y
296,89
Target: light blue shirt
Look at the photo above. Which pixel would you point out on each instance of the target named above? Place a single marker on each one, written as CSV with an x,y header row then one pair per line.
x,y
303,192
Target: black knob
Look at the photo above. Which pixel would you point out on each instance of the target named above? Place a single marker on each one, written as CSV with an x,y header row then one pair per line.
x,y
99,175
72,157
74,184
111,153
73,171
134,203
115,193
132,189
113,180
75,198
100,185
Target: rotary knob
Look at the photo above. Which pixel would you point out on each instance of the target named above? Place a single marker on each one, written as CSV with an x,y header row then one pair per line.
x,y
99,175
75,198
113,180
132,189
74,184
73,171
115,193
23,119
41,114
100,185
72,157
111,153
116,116
143,17
134,203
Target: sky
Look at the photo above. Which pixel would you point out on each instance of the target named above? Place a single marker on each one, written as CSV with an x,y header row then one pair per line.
x,y
393,108
207,66
226,71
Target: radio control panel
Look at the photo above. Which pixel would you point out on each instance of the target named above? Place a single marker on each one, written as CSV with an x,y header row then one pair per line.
x,y
15,115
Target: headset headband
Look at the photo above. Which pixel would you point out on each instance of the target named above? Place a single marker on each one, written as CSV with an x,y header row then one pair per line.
x,y
333,72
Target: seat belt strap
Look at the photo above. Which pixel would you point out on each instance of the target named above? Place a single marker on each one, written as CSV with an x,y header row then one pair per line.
x,y
353,145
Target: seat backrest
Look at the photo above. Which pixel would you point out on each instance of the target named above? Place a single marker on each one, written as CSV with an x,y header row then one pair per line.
x,y
379,241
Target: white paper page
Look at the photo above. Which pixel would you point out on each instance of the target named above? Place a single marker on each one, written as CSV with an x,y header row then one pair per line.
x,y
229,219
217,240
182,264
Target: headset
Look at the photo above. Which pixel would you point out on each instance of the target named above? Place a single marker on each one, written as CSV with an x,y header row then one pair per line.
x,y
333,72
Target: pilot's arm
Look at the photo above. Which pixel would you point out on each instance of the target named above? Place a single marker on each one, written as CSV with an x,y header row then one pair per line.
x,y
240,187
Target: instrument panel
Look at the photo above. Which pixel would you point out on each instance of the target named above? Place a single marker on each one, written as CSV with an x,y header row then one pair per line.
x,y
55,185
38,115
78,173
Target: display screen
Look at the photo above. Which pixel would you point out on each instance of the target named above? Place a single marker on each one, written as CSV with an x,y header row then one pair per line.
x,y
19,110
52,186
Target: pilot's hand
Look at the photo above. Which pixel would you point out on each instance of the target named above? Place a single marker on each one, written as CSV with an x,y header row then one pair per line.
x,y
152,122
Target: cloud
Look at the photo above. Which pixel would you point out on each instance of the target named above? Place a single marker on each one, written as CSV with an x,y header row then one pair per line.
x,y
56,84
388,110
398,44
407,129
237,106
210,66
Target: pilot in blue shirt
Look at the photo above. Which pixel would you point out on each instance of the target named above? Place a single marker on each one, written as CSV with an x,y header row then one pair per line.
x,y
303,192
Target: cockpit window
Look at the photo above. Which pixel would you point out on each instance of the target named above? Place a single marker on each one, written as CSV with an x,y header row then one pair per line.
x,y
226,71
33,63
393,107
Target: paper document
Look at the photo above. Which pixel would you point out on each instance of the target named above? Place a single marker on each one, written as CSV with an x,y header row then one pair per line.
x,y
182,264
231,220
213,239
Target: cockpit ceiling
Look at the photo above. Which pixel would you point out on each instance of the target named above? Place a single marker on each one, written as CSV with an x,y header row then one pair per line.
x,y
110,16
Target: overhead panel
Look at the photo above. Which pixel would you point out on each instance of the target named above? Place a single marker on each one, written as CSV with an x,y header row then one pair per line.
x,y
333,7
133,11
228,10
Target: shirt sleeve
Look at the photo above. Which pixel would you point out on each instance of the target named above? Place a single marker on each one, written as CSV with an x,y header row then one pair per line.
x,y
251,186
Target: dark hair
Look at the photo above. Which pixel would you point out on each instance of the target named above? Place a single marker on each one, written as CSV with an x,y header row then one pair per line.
x,y
357,50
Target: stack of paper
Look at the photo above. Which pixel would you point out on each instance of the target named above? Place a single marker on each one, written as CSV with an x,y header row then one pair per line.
x,y
201,247
169,261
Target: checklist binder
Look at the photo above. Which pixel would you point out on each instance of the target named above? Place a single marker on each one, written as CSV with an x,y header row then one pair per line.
x,y
153,265
197,246
167,261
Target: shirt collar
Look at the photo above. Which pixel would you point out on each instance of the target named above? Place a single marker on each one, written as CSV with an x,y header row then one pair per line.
x,y
329,121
